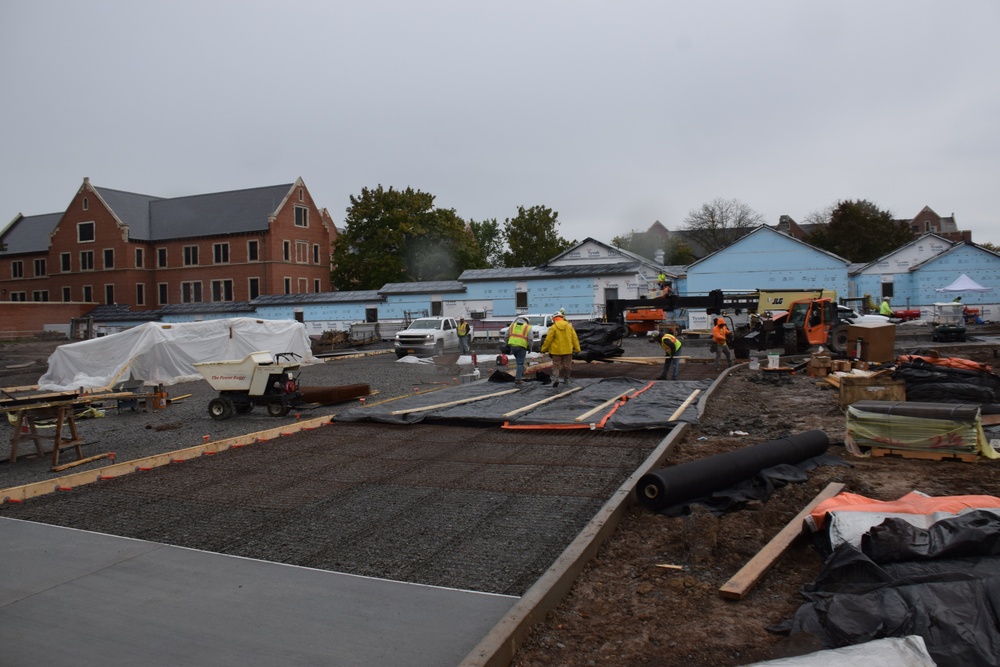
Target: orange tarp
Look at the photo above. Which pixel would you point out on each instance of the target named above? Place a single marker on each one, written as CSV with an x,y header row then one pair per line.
x,y
912,503
949,362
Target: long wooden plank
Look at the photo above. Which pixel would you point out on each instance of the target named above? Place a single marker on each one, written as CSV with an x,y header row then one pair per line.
x,y
530,406
603,405
73,464
453,403
679,411
755,569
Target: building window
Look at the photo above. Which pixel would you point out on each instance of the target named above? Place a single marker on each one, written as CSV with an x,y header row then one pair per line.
x,y
40,268
220,253
315,253
64,262
301,252
303,285
887,289
140,294
301,216
18,296
87,260
222,290
253,286
288,285
109,258
40,295
161,289
85,232
88,294
520,299
109,294
253,251
17,269
86,204
191,255
139,258
286,250
161,258
317,286
191,292
67,294
301,195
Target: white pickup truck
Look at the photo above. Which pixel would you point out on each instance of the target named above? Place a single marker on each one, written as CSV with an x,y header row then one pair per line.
x,y
427,336
539,327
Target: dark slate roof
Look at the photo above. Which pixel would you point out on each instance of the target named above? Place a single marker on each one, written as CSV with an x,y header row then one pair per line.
x,y
426,286
122,313
526,272
207,307
318,297
131,208
215,213
29,233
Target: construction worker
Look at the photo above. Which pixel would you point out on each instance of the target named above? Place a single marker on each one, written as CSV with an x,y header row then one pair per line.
x,y
464,336
662,279
885,309
560,343
720,338
518,340
671,347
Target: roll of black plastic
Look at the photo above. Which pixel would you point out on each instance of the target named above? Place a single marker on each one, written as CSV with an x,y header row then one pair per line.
x,y
669,486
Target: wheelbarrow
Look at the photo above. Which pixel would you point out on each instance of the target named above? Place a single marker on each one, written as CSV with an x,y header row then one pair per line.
x,y
257,379
447,364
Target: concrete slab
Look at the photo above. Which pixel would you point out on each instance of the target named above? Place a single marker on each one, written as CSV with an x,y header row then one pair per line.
x,y
71,597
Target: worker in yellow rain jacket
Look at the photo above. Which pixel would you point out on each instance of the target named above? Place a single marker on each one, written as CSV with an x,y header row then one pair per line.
x,y
560,344
671,347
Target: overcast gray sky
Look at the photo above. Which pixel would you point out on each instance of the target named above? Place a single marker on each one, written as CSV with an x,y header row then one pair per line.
x,y
614,114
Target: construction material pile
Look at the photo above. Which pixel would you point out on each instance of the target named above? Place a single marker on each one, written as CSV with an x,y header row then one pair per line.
x,y
600,340
934,379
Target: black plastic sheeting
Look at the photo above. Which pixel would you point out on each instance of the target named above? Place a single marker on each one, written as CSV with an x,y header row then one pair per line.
x,y
942,583
667,490
934,383
650,407
962,412
600,340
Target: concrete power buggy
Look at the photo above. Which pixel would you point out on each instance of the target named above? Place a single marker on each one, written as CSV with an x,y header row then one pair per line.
x,y
258,379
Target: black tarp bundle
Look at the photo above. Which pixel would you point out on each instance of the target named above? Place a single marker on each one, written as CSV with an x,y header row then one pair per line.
x,y
942,583
671,490
600,340
936,383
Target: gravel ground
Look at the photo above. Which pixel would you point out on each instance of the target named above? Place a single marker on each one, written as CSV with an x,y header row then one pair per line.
x,y
185,423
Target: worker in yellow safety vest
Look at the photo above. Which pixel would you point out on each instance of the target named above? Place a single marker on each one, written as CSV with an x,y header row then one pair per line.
x,y
519,342
671,347
464,332
885,308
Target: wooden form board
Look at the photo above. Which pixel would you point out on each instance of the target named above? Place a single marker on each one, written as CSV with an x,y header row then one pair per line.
x,y
748,576
22,493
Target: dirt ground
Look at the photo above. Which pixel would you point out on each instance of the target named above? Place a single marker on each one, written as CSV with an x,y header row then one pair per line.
x,y
625,610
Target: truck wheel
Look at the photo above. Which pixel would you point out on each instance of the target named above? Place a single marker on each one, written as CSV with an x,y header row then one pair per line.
x,y
400,354
220,408
439,348
277,409
838,339
791,342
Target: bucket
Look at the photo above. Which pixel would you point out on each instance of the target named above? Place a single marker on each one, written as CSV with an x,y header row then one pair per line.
x,y
754,363
772,360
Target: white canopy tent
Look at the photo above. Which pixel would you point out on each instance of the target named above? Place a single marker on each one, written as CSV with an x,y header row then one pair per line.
x,y
964,284
161,353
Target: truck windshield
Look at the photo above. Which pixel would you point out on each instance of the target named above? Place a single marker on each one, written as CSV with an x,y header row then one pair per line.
x,y
425,323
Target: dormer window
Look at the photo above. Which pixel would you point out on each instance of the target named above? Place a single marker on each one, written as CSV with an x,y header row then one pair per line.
x,y
301,197
85,232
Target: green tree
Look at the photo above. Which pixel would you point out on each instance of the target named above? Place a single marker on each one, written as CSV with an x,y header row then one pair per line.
x,y
532,238
490,239
398,236
721,222
860,231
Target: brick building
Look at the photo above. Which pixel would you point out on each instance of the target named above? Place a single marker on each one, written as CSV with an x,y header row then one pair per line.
x,y
110,247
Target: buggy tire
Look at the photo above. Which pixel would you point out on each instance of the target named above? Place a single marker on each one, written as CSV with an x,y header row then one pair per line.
x,y
220,408
791,342
839,337
741,349
277,409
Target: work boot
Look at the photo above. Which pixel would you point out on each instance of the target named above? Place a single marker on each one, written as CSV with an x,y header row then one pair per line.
x,y
662,377
555,382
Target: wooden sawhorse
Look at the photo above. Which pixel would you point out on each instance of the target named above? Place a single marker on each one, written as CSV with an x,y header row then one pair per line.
x,y
26,428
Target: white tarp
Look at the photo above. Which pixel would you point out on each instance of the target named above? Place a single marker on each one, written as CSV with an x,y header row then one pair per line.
x,y
161,353
908,651
964,284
